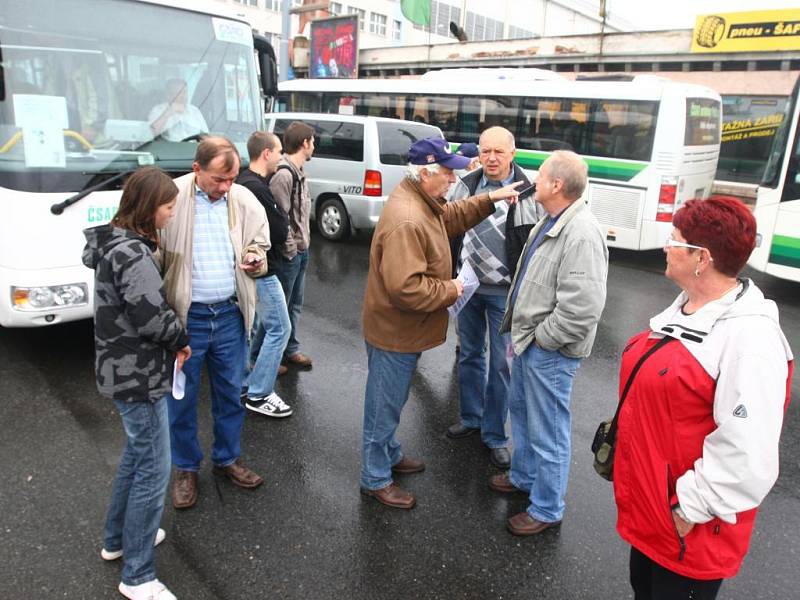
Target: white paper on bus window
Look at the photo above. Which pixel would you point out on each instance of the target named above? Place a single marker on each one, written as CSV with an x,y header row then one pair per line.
x,y
469,280
233,32
43,120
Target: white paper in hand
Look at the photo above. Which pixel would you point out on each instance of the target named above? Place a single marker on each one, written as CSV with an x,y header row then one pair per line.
x,y
178,382
469,280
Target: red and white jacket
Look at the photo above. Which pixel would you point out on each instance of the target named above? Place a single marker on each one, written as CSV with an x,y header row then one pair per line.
x,y
700,427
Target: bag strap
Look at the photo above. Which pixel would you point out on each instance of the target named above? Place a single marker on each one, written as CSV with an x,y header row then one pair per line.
x,y
612,432
295,182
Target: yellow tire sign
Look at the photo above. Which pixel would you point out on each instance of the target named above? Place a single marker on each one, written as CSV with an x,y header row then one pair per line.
x,y
755,31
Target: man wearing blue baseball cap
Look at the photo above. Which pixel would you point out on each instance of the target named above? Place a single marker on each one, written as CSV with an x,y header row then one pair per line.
x,y
409,288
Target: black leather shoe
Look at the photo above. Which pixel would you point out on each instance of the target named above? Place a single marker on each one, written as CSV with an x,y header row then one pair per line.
x,y
500,458
459,430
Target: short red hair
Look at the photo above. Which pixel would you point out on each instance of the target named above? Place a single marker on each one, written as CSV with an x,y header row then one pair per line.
x,y
724,225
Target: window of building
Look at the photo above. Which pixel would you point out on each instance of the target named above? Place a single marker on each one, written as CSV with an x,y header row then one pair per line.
x,y
377,24
362,15
441,15
482,28
273,5
335,8
397,28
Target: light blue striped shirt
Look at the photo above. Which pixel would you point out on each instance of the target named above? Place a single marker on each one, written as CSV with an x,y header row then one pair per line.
x,y
213,261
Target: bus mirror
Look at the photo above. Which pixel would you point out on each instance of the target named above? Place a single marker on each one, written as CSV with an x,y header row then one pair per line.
x,y
267,66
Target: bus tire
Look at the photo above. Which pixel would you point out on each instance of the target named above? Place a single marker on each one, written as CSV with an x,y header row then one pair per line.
x,y
332,219
710,32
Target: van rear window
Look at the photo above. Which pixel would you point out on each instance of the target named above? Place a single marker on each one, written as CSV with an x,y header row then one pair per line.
x,y
332,139
395,139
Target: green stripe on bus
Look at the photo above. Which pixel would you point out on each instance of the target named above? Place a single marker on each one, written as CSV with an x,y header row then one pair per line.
x,y
602,168
785,251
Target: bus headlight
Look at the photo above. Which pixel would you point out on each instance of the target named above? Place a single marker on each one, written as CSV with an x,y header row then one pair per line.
x,y
54,296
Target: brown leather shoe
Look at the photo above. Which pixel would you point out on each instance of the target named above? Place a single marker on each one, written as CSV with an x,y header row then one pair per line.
x,y
501,483
392,495
282,370
408,465
184,489
239,475
300,360
524,524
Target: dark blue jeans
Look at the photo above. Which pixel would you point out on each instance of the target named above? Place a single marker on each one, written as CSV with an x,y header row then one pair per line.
x,y
388,383
137,496
292,275
217,338
483,396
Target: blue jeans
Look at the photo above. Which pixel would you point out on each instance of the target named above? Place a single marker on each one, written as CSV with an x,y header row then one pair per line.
x,y
483,397
388,383
216,335
270,334
292,275
541,384
137,496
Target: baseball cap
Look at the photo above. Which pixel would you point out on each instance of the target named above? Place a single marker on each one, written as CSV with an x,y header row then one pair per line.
x,y
468,149
436,150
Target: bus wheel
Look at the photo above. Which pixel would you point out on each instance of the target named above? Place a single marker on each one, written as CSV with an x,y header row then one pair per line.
x,y
332,220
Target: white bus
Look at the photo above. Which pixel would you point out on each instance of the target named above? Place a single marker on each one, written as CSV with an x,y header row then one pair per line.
x,y
650,143
78,82
777,205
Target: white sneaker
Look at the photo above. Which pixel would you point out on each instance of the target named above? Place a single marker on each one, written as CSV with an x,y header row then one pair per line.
x,y
152,590
271,406
106,555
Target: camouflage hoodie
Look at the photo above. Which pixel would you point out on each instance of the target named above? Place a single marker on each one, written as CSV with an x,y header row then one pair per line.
x,y
135,330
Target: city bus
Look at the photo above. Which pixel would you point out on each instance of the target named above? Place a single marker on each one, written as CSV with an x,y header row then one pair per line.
x,y
79,81
777,203
650,143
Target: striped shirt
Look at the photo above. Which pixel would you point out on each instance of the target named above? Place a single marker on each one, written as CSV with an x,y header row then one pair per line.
x,y
213,262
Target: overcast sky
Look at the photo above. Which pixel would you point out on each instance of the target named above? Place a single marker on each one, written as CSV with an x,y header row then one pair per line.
x,y
678,14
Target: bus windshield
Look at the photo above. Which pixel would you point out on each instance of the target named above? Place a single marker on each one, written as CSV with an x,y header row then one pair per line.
x,y
91,88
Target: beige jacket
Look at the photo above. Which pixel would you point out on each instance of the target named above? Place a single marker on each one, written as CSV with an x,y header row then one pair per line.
x,y
409,283
249,232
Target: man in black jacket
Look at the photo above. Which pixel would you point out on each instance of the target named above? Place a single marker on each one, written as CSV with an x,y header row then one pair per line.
x,y
272,327
492,248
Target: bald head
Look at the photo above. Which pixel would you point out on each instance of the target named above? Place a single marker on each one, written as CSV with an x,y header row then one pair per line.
x,y
496,153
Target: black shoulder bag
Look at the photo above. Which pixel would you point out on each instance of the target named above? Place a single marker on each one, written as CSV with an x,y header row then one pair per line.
x,y
605,438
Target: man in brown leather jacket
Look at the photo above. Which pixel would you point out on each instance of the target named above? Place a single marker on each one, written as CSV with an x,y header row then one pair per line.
x,y
408,291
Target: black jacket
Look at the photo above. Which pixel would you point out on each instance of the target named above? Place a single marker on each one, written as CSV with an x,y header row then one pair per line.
x,y
277,219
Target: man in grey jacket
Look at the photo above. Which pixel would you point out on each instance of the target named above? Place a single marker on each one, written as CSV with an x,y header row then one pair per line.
x,y
556,299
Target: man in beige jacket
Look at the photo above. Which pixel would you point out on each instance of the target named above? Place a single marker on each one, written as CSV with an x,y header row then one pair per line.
x,y
405,305
213,247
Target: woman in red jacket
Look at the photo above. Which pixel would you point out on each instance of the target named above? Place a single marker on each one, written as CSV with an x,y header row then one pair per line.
x,y
697,444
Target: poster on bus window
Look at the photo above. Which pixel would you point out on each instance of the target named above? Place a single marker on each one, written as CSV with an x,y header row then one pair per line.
x,y
334,48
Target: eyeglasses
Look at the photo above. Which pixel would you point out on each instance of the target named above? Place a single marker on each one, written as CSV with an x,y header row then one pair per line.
x,y
672,243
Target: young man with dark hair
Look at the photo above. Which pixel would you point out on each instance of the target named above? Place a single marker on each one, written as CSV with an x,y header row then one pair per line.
x,y
290,190
271,329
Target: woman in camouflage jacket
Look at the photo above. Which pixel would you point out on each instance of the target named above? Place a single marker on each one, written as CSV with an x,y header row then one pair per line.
x,y
137,335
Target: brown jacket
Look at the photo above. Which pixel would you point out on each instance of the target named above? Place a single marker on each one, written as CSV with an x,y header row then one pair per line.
x,y
408,285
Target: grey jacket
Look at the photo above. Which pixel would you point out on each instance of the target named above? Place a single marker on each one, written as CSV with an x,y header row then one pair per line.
x,y
135,330
563,291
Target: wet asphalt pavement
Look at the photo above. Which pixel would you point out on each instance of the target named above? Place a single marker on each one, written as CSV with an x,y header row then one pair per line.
x,y
307,532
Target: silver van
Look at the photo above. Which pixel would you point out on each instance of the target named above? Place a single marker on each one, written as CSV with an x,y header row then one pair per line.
x,y
357,162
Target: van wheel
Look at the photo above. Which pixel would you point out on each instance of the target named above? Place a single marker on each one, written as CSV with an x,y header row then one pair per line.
x,y
332,219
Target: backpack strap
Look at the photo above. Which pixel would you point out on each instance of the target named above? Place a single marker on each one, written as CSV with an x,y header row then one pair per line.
x,y
295,182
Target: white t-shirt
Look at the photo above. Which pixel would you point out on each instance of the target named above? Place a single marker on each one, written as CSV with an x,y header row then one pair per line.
x,y
181,125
